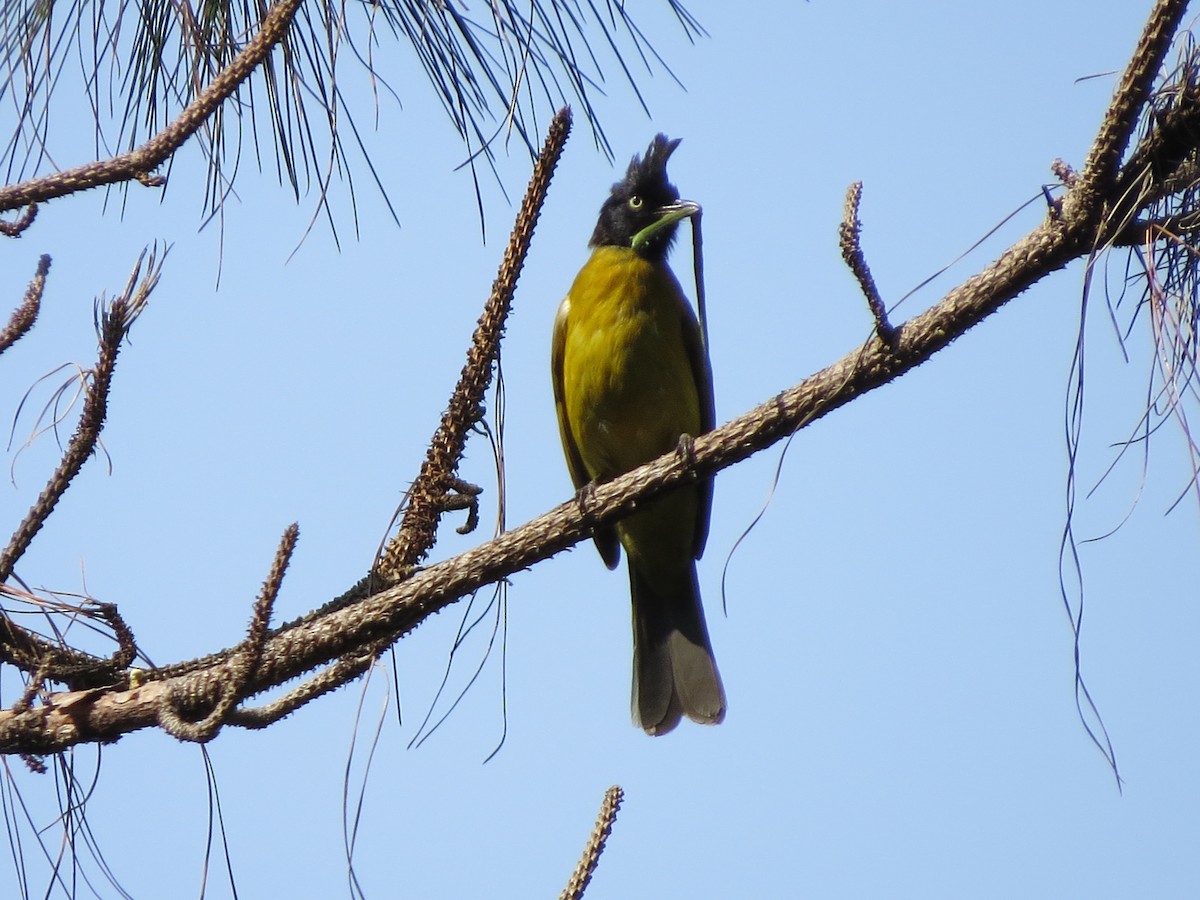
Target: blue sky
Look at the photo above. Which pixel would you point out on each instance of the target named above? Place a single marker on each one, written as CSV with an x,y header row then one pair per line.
x,y
897,658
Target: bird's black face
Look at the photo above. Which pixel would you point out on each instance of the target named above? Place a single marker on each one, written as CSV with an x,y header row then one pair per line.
x,y
643,211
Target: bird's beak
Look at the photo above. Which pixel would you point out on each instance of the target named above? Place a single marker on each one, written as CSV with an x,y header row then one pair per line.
x,y
667,216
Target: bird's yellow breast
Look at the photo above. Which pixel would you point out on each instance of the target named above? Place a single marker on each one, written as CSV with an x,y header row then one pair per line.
x,y
629,388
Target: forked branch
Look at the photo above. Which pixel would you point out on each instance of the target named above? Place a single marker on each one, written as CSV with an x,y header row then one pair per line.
x,y
17,645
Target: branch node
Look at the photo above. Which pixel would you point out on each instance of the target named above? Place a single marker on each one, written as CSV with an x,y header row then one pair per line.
x,y
344,670
242,666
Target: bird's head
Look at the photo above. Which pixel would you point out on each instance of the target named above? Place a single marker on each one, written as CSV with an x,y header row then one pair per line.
x,y
644,210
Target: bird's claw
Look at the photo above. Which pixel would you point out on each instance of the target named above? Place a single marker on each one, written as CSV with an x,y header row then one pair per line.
x,y
586,497
686,450
463,495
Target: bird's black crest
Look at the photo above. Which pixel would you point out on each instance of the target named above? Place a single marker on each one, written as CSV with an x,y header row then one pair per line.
x,y
649,172
646,180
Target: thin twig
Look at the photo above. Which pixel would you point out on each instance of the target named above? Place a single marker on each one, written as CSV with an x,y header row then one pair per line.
x,y
33,763
850,240
37,681
698,277
344,670
26,314
17,645
113,325
1063,172
418,529
243,666
126,643
138,164
595,845
17,226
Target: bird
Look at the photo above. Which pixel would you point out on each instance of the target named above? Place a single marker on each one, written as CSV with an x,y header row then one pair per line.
x,y
632,379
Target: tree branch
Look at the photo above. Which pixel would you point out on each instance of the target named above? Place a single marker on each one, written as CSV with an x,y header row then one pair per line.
x,y
1104,158
139,163
418,530
19,646
68,719
348,636
595,845
26,314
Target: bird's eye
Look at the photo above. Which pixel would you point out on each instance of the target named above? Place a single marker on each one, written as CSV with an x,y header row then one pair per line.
x,y
635,202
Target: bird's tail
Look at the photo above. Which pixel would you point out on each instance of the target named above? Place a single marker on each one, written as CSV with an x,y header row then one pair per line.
x,y
674,672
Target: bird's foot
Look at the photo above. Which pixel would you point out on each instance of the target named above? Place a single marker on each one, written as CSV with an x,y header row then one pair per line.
x,y
462,495
686,450
586,498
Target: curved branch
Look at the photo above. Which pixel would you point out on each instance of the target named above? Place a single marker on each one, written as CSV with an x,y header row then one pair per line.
x,y
113,326
139,163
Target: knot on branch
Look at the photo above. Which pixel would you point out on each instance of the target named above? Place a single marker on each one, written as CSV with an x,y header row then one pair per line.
x,y
187,711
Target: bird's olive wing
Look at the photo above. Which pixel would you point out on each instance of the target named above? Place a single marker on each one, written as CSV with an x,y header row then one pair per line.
x,y
697,354
605,538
